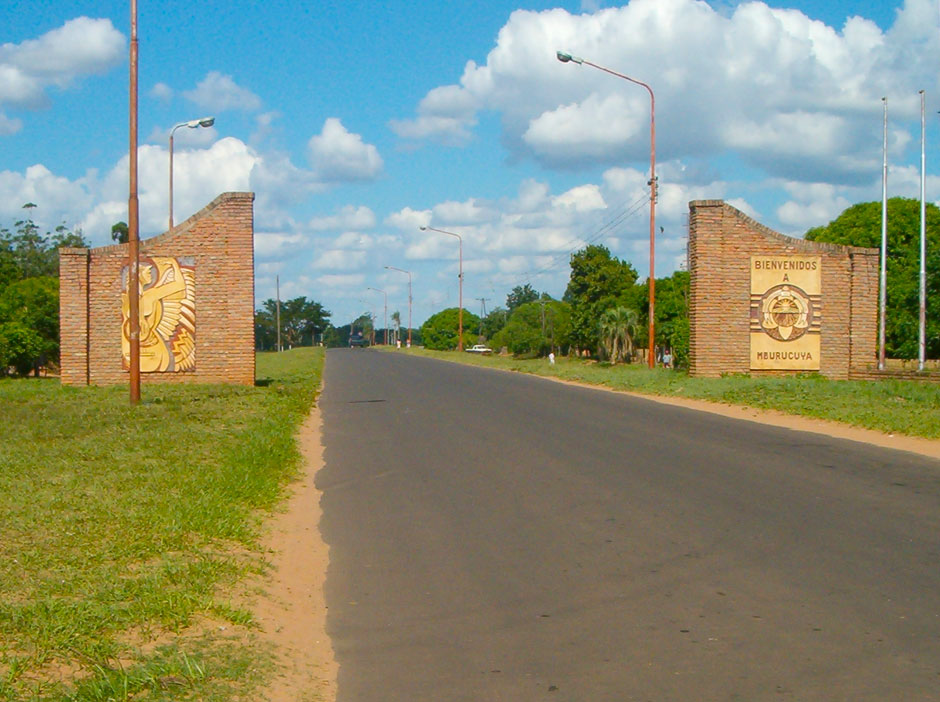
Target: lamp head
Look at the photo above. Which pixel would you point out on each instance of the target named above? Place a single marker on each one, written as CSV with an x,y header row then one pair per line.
x,y
204,122
566,57
423,228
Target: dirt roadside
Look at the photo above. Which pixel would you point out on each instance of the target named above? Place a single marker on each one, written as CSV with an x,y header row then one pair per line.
x,y
293,615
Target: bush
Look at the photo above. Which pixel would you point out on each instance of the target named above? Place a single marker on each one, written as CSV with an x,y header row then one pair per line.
x,y
20,347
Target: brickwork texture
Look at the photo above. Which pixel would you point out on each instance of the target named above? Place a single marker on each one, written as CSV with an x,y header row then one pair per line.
x,y
220,240
722,240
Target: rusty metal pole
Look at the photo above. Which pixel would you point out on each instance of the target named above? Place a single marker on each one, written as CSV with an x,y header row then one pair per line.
x,y
171,178
652,356
133,224
883,275
565,58
460,285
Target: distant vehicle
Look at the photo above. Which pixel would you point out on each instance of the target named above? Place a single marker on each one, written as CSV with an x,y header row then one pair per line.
x,y
356,339
481,349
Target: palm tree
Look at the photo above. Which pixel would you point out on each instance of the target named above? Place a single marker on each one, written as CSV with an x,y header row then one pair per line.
x,y
618,328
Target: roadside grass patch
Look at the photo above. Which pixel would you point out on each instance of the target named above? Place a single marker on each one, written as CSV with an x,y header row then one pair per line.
x,y
891,406
127,525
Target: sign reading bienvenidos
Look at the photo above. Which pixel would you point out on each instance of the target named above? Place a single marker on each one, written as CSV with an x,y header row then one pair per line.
x,y
786,312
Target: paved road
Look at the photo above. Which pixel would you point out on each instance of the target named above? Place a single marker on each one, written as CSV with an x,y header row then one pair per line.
x,y
495,537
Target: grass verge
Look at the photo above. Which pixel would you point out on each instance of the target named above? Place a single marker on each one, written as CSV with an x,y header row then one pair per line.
x,y
892,406
128,531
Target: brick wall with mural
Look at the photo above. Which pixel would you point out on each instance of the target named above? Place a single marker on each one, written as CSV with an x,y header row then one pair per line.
x,y
197,303
764,303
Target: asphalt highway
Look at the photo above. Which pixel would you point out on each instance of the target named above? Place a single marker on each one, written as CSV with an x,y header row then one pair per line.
x,y
496,536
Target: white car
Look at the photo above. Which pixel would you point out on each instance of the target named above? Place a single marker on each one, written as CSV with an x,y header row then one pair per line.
x,y
480,348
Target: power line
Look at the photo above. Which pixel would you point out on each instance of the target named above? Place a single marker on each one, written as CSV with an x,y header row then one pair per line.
x,y
605,228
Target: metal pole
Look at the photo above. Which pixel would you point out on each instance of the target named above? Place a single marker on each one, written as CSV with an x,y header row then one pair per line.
x,y
277,282
460,286
922,326
652,302
883,279
565,58
133,223
171,178
460,299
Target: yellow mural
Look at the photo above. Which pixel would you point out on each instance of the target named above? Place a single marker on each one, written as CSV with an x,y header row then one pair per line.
x,y
167,315
786,312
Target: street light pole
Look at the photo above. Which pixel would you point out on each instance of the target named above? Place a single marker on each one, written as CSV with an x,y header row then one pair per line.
x,y
883,275
192,124
460,284
402,270
922,315
565,58
385,335
133,226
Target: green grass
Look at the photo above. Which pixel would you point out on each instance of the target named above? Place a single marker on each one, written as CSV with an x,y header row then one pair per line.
x,y
122,526
892,406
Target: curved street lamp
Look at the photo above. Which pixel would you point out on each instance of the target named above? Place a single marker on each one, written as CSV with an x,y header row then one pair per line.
x,y
460,286
192,124
566,58
402,270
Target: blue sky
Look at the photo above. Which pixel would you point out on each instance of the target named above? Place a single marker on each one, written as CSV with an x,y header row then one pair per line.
x,y
357,122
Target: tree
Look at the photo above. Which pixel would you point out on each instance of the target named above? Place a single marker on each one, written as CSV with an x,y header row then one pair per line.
x,y
29,292
860,225
119,233
301,321
520,295
34,303
494,321
598,282
439,331
618,329
536,328
20,346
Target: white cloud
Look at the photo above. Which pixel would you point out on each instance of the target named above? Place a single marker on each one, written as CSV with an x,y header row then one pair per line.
x,y
273,244
349,217
219,92
409,220
811,204
446,113
9,126
80,47
57,198
198,177
790,95
471,211
340,156
346,282
161,92
339,260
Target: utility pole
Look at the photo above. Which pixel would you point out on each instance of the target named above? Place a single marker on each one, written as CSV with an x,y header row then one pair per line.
x,y
277,282
133,225
482,311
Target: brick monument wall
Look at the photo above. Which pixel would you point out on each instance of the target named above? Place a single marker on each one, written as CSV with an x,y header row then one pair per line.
x,y
217,246
722,242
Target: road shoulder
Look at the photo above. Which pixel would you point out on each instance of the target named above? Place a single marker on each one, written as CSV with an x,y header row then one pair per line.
x,y
292,614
